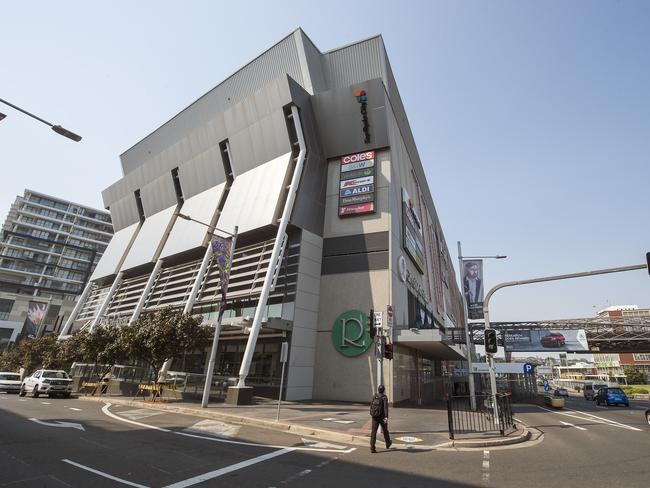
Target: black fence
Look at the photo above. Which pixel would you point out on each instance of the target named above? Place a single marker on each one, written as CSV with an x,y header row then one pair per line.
x,y
464,420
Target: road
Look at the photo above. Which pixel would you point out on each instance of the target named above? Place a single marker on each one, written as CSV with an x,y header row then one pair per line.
x,y
74,443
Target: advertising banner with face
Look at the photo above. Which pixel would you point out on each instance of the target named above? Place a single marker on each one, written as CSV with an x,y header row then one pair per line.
x,y
473,287
35,318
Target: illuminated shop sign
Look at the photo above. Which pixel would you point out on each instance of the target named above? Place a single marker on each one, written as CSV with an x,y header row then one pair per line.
x,y
357,184
413,238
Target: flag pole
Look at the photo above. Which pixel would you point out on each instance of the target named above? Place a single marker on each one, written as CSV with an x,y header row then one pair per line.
x,y
217,328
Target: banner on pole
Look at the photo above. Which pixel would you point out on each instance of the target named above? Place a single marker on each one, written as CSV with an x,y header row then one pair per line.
x,y
222,248
473,287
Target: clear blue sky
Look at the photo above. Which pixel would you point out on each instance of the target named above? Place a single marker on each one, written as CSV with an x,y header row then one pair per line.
x,y
532,119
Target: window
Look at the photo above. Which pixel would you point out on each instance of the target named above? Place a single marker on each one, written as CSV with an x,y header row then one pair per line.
x,y
641,357
5,308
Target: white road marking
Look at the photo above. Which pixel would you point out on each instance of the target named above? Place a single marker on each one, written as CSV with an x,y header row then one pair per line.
x,y
105,475
344,421
58,423
214,427
485,477
572,425
323,445
46,403
106,411
141,413
592,418
75,409
229,469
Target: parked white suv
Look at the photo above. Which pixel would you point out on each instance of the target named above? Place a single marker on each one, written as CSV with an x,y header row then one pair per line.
x,y
9,382
49,382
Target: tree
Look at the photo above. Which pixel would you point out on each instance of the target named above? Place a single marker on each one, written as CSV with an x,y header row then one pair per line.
x,y
103,347
159,336
31,354
634,376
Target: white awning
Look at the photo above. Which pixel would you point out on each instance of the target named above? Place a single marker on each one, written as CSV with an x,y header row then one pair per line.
x,y
254,196
113,256
187,235
150,239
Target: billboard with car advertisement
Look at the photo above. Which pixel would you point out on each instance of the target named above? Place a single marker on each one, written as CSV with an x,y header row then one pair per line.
x,y
538,340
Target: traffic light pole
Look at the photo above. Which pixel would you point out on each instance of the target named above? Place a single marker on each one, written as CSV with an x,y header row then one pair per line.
x,y
468,340
486,304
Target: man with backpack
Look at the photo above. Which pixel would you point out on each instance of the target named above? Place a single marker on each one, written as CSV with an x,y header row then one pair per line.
x,y
379,414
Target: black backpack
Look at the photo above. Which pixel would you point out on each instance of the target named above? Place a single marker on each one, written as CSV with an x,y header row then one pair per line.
x,y
376,407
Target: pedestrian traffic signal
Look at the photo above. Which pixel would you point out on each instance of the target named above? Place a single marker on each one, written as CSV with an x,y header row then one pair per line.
x,y
647,260
388,351
371,321
491,345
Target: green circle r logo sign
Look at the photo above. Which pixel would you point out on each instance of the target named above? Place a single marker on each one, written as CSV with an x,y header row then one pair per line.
x,y
350,334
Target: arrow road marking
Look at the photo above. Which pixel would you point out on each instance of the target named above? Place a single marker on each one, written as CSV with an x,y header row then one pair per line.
x,y
58,423
319,444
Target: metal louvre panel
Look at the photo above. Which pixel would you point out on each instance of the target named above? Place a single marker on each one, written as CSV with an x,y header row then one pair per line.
x,y
186,235
92,304
203,172
124,212
254,196
126,296
158,195
113,256
279,60
149,241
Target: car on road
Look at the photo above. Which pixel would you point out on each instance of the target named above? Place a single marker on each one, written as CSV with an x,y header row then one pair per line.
x,y
554,339
50,382
612,396
9,382
561,392
647,416
590,390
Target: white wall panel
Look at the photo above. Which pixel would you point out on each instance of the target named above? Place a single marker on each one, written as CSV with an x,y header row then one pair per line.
x,y
150,239
185,234
110,262
254,196
158,195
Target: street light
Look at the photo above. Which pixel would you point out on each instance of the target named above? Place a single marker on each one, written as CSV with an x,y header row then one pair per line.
x,y
56,128
468,342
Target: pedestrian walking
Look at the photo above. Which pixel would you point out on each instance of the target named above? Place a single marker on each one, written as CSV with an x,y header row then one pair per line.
x,y
379,414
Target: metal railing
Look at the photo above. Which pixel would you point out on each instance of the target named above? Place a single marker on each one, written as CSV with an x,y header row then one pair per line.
x,y
463,420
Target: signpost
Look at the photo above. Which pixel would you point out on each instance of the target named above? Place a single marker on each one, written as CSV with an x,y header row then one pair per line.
x,y
379,351
284,353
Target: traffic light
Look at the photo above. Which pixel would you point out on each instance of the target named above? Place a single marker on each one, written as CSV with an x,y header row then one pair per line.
x,y
491,345
388,351
647,260
371,322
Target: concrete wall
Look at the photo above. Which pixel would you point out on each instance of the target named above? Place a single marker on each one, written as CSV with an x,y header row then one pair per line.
x,y
300,379
339,377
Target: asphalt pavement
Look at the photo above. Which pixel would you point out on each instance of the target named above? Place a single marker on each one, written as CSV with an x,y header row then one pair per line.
x,y
74,443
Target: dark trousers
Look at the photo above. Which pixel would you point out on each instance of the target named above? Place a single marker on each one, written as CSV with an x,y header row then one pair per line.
x,y
373,434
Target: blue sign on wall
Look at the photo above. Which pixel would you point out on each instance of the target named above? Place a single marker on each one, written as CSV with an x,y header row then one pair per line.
x,y
529,368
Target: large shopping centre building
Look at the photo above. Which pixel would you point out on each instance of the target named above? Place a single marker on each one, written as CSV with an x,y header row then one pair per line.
x,y
361,233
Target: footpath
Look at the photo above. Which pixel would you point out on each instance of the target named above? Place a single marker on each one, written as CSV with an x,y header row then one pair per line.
x,y
410,428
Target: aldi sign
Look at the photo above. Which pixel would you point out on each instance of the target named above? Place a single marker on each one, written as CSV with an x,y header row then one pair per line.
x,y
357,184
357,190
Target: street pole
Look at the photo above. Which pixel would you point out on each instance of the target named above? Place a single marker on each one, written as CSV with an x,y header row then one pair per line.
x,y
468,340
486,305
217,330
284,353
379,343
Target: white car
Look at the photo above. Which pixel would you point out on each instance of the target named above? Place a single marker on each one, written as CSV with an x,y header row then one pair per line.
x,y
49,382
9,382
